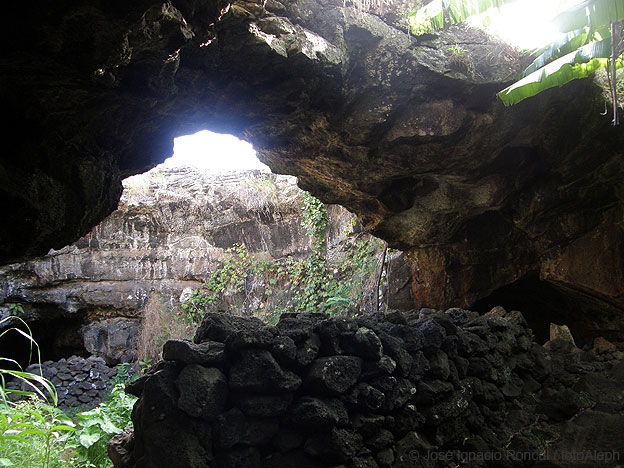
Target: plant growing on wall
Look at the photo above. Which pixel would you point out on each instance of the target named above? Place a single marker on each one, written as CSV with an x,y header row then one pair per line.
x,y
589,42
259,194
304,285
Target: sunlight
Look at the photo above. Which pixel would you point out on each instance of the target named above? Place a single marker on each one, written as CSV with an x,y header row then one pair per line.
x,y
528,24
214,152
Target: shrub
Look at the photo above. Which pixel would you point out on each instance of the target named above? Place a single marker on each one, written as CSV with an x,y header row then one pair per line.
x,y
259,194
96,427
161,322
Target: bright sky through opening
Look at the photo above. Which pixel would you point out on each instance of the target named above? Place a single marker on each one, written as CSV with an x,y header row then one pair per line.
x,y
527,24
214,152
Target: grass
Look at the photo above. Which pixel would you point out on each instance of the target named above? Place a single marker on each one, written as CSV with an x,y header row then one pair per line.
x,y
34,433
161,322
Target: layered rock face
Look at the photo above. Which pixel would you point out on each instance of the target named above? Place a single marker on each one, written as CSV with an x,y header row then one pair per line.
x,y
169,234
423,389
402,131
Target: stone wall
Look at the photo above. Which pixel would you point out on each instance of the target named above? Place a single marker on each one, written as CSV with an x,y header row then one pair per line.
x,y
79,382
405,391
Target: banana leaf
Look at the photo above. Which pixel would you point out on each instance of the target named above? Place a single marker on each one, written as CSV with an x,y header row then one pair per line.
x,y
566,44
593,13
442,13
578,64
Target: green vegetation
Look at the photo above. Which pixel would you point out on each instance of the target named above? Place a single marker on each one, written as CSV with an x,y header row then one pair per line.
x,y
589,42
96,427
294,285
34,433
9,368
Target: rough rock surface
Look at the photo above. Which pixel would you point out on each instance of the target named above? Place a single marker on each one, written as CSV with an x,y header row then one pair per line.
x,y
170,232
167,236
402,131
79,382
430,389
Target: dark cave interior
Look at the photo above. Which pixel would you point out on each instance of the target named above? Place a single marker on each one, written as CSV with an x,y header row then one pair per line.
x,y
56,339
543,302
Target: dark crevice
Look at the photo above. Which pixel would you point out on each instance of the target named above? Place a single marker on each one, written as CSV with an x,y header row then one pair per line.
x,y
58,338
544,302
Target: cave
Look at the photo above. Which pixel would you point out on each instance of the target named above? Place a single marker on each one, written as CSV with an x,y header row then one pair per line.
x,y
57,338
480,196
364,114
542,303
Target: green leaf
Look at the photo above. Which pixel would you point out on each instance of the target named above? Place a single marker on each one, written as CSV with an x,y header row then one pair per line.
x,y
109,427
567,43
575,65
591,13
443,13
32,380
32,431
62,427
89,436
6,462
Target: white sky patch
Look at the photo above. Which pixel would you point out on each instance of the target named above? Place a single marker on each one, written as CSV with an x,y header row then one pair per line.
x,y
528,24
214,152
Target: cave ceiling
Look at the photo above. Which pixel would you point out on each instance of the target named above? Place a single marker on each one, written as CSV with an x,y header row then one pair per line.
x,y
401,130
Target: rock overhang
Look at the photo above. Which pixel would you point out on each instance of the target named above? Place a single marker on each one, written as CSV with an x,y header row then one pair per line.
x,y
403,131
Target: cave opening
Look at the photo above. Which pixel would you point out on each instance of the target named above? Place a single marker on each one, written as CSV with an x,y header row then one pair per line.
x,y
214,152
56,338
544,302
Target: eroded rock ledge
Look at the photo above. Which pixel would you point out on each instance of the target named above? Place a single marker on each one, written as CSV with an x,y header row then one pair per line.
x,y
406,391
401,131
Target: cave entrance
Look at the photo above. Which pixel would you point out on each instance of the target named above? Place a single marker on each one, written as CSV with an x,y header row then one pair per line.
x,y
56,337
544,302
214,152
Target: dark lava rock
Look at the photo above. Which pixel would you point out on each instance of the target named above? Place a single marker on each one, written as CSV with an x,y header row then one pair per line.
x,y
284,350
364,343
297,328
429,392
265,406
233,428
384,366
339,445
220,327
258,371
308,350
411,336
433,333
395,348
333,375
460,316
203,392
316,412
559,406
241,457
206,353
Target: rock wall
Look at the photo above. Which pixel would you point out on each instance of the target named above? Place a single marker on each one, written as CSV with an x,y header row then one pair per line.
x,y
79,382
422,389
395,128
169,234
